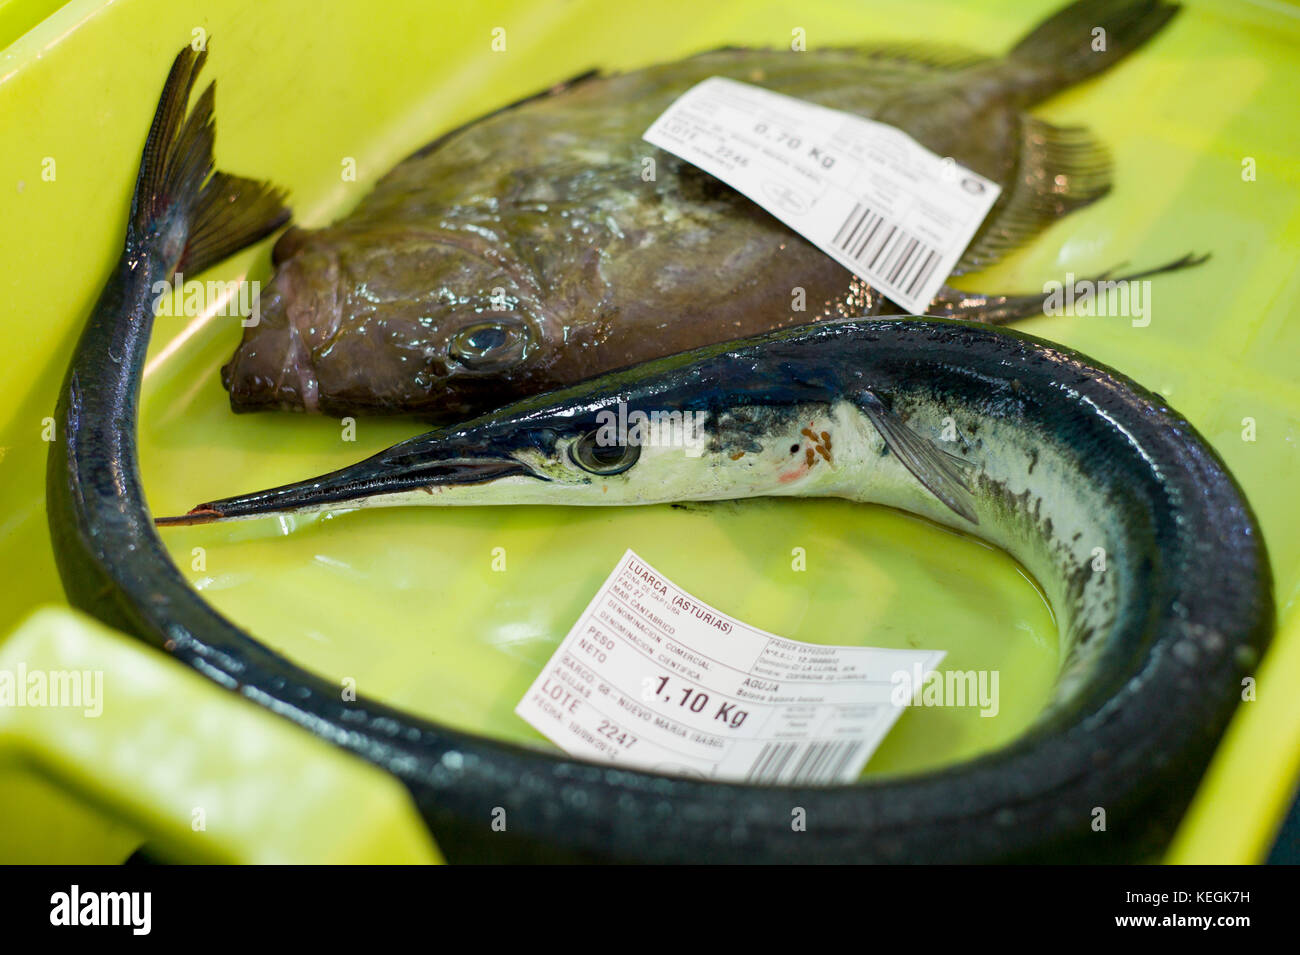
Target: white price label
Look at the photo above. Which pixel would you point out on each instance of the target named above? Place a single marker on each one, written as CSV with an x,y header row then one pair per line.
x,y
865,193
651,678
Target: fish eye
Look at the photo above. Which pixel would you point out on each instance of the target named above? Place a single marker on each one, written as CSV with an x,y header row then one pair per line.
x,y
487,346
603,459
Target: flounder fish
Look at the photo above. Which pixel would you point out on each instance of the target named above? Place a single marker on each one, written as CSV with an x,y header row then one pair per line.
x,y
527,251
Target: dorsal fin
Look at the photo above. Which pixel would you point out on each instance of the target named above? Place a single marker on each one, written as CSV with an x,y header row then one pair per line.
x,y
1058,169
920,55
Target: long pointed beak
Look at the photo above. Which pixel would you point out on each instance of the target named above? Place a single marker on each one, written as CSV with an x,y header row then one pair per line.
x,y
409,466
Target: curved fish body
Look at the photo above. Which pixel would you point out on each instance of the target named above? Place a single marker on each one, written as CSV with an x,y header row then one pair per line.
x,y
1052,458
529,250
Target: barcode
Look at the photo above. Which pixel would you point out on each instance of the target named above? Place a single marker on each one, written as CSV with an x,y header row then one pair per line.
x,y
803,762
892,255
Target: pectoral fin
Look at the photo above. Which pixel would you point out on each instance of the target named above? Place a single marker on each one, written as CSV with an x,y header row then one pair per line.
x,y
944,475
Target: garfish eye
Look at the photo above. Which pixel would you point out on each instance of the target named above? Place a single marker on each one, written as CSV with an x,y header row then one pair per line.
x,y
487,346
603,459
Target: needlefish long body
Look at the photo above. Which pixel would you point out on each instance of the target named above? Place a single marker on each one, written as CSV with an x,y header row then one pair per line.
x,y
1052,457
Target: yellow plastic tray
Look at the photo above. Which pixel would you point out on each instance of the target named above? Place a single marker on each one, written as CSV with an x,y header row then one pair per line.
x,y
407,603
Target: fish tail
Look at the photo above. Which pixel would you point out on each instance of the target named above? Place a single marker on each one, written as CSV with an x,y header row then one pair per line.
x,y
183,215
1083,39
198,214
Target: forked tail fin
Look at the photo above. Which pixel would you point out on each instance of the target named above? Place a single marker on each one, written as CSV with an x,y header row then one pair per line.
x,y
183,214
199,215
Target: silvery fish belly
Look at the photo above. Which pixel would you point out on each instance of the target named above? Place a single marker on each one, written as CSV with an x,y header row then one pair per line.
x,y
547,243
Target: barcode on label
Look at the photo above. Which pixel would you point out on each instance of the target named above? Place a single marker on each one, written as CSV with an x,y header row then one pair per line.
x,y
914,211
803,762
894,257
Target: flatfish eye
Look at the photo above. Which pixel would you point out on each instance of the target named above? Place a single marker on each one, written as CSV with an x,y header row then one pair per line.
x,y
604,459
488,346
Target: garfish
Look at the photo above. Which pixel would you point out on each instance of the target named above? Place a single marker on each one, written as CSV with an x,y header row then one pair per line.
x,y
527,250
1145,546
1052,457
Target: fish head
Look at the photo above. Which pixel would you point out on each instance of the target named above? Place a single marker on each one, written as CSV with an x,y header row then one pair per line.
x,y
657,433
442,323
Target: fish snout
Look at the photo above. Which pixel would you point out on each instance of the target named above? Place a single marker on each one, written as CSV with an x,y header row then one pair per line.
x,y
419,464
273,366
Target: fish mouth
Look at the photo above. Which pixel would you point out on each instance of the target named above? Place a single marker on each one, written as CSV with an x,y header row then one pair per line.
x,y
395,471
